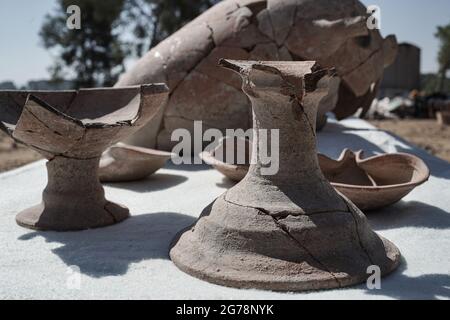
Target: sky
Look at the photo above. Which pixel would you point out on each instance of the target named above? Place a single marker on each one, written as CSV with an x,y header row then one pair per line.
x,y
22,57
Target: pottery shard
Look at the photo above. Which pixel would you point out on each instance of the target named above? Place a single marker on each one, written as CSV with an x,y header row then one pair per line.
x,y
187,49
265,52
93,142
46,130
174,58
363,102
282,15
230,24
222,9
265,24
201,97
13,105
150,68
333,33
372,67
328,36
209,65
247,38
251,3
81,107
284,54
360,71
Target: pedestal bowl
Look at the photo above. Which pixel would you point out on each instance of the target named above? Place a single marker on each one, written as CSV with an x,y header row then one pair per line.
x,y
72,129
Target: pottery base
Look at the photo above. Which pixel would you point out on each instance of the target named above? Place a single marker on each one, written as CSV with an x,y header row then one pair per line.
x,y
71,219
73,199
242,247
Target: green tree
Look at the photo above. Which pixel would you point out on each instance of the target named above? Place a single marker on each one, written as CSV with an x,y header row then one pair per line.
x,y
93,53
151,21
430,81
110,32
443,34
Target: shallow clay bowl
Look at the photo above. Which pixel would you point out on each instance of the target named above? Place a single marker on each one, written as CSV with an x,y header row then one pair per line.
x,y
229,167
124,163
78,124
375,182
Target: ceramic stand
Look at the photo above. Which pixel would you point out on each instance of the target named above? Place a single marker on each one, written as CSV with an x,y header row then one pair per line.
x,y
72,129
77,205
289,231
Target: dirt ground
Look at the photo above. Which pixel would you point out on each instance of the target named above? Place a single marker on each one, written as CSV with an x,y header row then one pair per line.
x,y
423,133
13,155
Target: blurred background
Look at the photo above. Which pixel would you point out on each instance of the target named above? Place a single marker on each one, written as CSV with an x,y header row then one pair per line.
x,y
39,52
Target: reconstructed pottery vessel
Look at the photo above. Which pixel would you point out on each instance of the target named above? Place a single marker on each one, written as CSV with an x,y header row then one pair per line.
x,y
123,163
234,170
72,129
333,33
370,184
291,230
375,182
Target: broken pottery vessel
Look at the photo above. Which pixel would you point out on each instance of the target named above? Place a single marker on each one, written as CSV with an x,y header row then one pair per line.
x,y
374,182
230,167
72,129
333,33
123,163
289,231
370,184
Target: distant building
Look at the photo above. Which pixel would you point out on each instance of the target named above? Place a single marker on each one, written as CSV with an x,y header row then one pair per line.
x,y
403,75
7,85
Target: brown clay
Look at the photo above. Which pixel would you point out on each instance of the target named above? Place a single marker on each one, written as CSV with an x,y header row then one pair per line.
x,y
396,175
123,163
72,129
289,231
233,170
333,33
374,182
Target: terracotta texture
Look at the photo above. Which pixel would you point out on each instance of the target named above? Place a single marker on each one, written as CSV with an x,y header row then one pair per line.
x,y
333,33
289,231
374,182
123,163
233,169
370,184
72,129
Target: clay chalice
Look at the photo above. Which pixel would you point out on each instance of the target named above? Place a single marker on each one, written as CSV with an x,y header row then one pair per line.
x,y
72,129
286,230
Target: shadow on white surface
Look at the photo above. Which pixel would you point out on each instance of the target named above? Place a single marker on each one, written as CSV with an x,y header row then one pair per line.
x,y
425,287
409,214
155,182
110,251
226,183
188,167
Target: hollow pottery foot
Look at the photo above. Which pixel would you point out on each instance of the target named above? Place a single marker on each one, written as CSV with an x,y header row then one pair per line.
x,y
74,199
288,230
